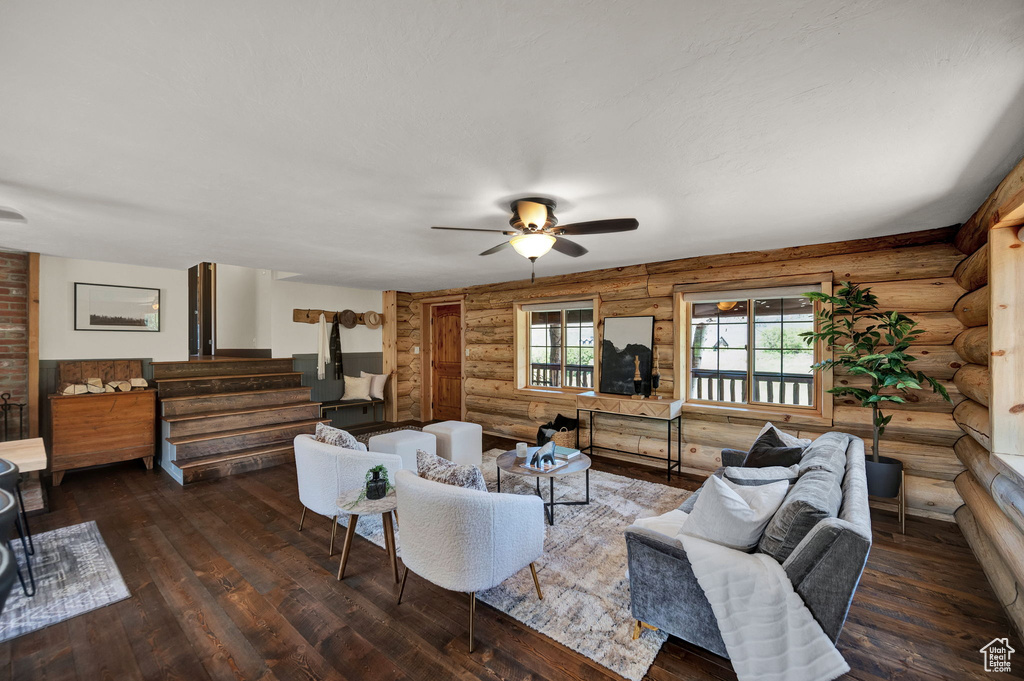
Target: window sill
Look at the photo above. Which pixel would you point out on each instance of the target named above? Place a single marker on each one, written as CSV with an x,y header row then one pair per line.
x,y
552,392
780,415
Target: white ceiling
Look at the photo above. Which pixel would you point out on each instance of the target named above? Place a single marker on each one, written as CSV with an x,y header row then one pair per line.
x,y
324,138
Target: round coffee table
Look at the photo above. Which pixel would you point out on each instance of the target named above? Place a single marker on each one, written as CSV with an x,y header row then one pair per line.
x,y
510,464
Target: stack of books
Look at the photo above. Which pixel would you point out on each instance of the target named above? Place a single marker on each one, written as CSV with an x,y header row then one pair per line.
x,y
566,453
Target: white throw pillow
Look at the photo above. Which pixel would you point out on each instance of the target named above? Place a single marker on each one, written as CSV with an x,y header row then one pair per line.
x,y
734,515
787,439
668,524
377,382
335,436
357,388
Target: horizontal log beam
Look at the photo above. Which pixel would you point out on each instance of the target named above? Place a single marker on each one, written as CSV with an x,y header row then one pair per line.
x,y
975,458
973,419
972,308
1004,535
975,382
972,272
1004,207
973,345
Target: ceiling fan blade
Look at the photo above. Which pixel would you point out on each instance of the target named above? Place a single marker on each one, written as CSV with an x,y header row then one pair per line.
x,y
570,248
598,227
497,248
471,229
11,214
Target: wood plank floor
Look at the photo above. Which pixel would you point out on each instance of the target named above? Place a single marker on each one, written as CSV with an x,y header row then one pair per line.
x,y
224,587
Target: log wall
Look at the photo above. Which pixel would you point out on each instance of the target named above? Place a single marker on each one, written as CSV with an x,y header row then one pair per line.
x,y
991,517
912,273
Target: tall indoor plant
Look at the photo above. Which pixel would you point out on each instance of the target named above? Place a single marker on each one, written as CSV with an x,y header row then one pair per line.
x,y
868,342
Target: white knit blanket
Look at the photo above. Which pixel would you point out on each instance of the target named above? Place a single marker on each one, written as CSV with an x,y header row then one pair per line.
x,y
769,632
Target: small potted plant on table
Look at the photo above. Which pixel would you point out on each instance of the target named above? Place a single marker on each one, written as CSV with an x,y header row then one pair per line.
x,y
874,344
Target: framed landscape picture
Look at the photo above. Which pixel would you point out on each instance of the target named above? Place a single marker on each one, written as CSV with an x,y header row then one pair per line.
x,y
104,307
626,338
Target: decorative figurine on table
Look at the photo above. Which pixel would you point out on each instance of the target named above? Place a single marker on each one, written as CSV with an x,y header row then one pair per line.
x,y
543,455
638,381
655,378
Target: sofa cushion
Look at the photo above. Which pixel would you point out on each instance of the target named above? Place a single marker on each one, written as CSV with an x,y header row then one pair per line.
x,y
733,515
335,436
433,467
770,450
787,439
816,495
761,476
829,452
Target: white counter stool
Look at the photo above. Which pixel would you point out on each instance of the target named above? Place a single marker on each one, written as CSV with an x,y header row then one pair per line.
x,y
459,442
404,443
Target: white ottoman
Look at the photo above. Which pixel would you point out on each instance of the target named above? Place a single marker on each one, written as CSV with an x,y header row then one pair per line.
x,y
404,443
458,442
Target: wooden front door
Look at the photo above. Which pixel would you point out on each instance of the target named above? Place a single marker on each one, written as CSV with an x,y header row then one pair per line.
x,y
446,361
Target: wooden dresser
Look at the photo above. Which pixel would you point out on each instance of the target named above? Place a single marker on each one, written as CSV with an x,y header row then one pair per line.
x,y
98,428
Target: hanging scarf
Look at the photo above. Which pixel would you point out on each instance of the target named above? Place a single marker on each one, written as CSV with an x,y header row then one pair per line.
x,y
339,369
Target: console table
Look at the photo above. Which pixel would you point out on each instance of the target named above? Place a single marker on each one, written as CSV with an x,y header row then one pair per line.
x,y
667,411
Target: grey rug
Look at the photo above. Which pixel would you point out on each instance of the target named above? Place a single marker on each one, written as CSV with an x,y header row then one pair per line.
x,y
583,569
75,574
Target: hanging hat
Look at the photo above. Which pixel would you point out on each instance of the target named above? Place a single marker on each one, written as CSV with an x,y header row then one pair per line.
x,y
372,320
347,318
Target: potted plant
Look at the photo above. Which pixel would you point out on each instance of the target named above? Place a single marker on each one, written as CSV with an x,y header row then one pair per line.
x,y
377,484
868,342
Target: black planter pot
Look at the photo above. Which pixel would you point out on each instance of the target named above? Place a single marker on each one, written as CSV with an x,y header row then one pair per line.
x,y
884,476
376,488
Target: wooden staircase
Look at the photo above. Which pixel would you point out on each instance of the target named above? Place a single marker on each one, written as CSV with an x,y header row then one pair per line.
x,y
231,415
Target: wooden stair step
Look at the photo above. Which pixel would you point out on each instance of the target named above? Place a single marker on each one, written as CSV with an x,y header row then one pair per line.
x,y
221,377
233,412
242,418
187,404
222,383
202,437
240,393
240,461
220,365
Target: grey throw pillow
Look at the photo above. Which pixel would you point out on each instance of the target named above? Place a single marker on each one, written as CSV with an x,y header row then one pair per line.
x,y
816,495
769,450
433,467
335,436
828,451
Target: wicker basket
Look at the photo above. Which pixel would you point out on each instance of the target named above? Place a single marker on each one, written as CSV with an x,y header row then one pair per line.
x,y
565,438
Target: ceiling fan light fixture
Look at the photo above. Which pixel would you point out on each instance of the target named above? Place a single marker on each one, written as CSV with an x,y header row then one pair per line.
x,y
532,214
725,306
532,245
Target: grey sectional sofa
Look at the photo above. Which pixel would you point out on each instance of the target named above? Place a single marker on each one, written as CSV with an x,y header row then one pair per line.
x,y
821,535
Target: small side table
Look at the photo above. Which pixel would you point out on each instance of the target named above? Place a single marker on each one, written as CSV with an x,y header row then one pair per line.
x,y
347,504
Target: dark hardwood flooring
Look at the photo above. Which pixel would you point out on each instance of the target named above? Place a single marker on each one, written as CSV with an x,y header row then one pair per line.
x,y
224,587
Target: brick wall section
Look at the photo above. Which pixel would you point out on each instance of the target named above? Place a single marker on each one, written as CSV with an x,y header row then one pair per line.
x,y
14,327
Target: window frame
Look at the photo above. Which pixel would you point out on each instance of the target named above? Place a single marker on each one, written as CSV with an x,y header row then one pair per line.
x,y
683,310
522,344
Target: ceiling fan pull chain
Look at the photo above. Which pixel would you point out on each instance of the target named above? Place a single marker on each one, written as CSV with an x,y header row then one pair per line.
x,y
533,270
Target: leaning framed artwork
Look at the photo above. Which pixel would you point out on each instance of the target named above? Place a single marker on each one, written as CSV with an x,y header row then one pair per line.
x,y
105,307
628,345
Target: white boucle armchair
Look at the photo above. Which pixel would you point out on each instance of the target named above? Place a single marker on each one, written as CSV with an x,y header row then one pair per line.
x,y
467,540
325,471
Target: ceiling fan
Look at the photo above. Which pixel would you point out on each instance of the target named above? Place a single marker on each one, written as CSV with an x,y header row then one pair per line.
x,y
535,230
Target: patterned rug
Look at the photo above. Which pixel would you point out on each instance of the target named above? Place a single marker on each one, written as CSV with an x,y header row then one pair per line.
x,y
365,437
75,574
583,569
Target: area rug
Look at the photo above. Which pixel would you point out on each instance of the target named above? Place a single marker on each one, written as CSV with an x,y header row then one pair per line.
x,y
75,574
583,569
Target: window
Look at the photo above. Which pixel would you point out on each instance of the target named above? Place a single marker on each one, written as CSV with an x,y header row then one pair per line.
x,y
744,347
558,346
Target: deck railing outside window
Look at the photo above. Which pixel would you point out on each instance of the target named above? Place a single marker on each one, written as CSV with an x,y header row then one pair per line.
x,y
731,386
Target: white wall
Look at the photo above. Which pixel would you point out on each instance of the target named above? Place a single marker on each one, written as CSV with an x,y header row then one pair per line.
x,y
58,338
292,338
255,311
237,307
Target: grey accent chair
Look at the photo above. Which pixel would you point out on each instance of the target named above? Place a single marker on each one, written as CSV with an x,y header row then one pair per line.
x,y
824,567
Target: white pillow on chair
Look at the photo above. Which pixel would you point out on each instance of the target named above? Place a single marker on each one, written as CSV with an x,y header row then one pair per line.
x,y
734,515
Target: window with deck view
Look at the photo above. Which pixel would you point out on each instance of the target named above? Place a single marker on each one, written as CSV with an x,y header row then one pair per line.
x,y
745,347
561,345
